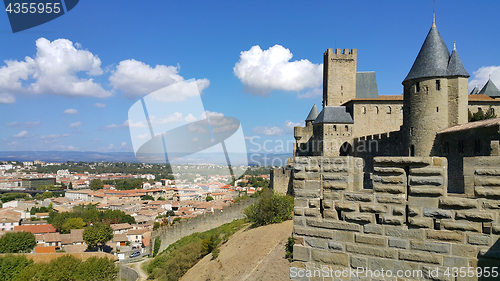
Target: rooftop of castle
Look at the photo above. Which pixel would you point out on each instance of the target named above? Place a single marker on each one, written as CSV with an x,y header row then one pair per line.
x,y
473,125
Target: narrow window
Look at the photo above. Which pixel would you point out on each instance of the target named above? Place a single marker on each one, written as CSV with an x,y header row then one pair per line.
x,y
479,109
412,150
363,110
346,128
438,85
388,110
477,146
376,109
411,131
437,109
417,87
335,127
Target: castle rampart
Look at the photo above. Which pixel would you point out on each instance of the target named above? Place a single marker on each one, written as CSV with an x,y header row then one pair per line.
x,y
408,221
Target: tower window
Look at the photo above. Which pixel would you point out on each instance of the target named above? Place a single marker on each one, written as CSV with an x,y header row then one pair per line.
x,y
417,87
376,109
411,131
335,127
438,85
412,150
363,110
388,110
437,109
346,128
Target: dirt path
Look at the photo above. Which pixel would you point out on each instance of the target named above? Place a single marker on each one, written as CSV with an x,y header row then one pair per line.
x,y
249,255
137,266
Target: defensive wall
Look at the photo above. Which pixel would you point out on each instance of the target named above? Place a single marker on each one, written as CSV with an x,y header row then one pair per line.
x,y
407,221
200,223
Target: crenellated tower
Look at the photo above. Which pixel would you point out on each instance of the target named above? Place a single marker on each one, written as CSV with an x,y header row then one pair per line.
x,y
339,76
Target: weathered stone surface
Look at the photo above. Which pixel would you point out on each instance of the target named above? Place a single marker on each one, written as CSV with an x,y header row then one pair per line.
x,y
297,211
398,211
397,231
388,199
373,229
418,257
312,212
388,170
426,180
361,218
392,220
332,195
331,224
463,250
492,204
428,171
403,161
436,213
300,202
299,176
312,168
475,215
312,184
487,172
344,236
486,181
362,197
414,211
393,189
487,192
299,184
372,251
335,185
315,242
301,253
462,226
455,262
427,190
434,247
327,257
375,240
421,222
330,214
463,203
348,206
335,246
307,194
357,261
313,232
443,235
389,179
482,240
398,243
372,208
314,203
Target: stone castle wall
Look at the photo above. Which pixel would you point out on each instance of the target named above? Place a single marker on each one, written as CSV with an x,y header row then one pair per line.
x,y
339,76
408,221
281,180
200,223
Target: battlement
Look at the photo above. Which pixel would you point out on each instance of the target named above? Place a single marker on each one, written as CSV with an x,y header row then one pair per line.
x,y
408,219
342,52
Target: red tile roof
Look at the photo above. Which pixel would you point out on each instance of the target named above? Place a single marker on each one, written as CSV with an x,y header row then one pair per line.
x,y
39,228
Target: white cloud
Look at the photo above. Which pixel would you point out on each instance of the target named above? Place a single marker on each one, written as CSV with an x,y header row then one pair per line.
x,y
142,137
21,134
264,71
286,128
135,78
56,70
71,111
210,113
7,98
482,75
75,125
101,105
24,125
190,118
124,145
311,94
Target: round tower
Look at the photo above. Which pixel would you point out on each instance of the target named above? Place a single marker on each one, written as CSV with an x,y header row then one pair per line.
x,y
434,95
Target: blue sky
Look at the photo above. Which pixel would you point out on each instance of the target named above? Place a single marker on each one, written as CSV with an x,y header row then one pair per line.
x,y
68,84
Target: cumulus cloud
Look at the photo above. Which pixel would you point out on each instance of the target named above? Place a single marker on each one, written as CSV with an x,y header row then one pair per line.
x,y
210,113
21,134
56,69
263,71
75,125
123,145
482,75
286,128
71,111
136,79
101,105
311,94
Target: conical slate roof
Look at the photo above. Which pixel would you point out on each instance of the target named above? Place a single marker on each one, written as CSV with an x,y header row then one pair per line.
x,y
432,60
474,91
455,66
313,114
490,89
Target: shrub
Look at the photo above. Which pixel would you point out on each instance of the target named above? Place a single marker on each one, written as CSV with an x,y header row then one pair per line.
x,y
156,246
289,248
271,208
17,242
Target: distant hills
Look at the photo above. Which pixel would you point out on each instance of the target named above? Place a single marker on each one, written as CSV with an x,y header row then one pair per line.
x,y
254,159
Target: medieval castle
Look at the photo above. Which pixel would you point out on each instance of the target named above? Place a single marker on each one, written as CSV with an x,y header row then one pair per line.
x,y
396,182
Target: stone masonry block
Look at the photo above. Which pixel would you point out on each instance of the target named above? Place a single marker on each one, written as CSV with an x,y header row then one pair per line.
x,y
372,208
300,202
425,201
398,243
372,251
312,194
360,218
347,206
398,211
487,192
482,240
392,220
332,224
299,184
373,229
386,188
414,211
301,253
358,261
330,214
437,213
420,257
315,242
336,185
428,171
492,204
421,222
335,246
314,203
297,211
475,215
426,180
444,235
389,179
464,250
388,170
390,199
427,190
361,197
314,232
462,225
312,184
328,204
332,195
344,236
457,203
434,247
312,212
299,176
455,262
330,258
397,231
375,240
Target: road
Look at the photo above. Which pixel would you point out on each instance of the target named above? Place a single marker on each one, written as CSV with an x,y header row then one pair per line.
x,y
137,266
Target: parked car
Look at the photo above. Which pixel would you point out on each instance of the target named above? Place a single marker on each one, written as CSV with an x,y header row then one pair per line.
x,y
135,254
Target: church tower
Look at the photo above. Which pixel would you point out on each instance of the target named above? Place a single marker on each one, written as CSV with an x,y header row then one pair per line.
x,y
435,95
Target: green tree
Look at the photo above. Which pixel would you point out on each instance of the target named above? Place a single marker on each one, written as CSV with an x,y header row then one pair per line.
x,y
156,247
17,242
480,115
70,186
94,268
209,198
97,235
63,268
72,223
271,208
147,197
11,266
96,184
